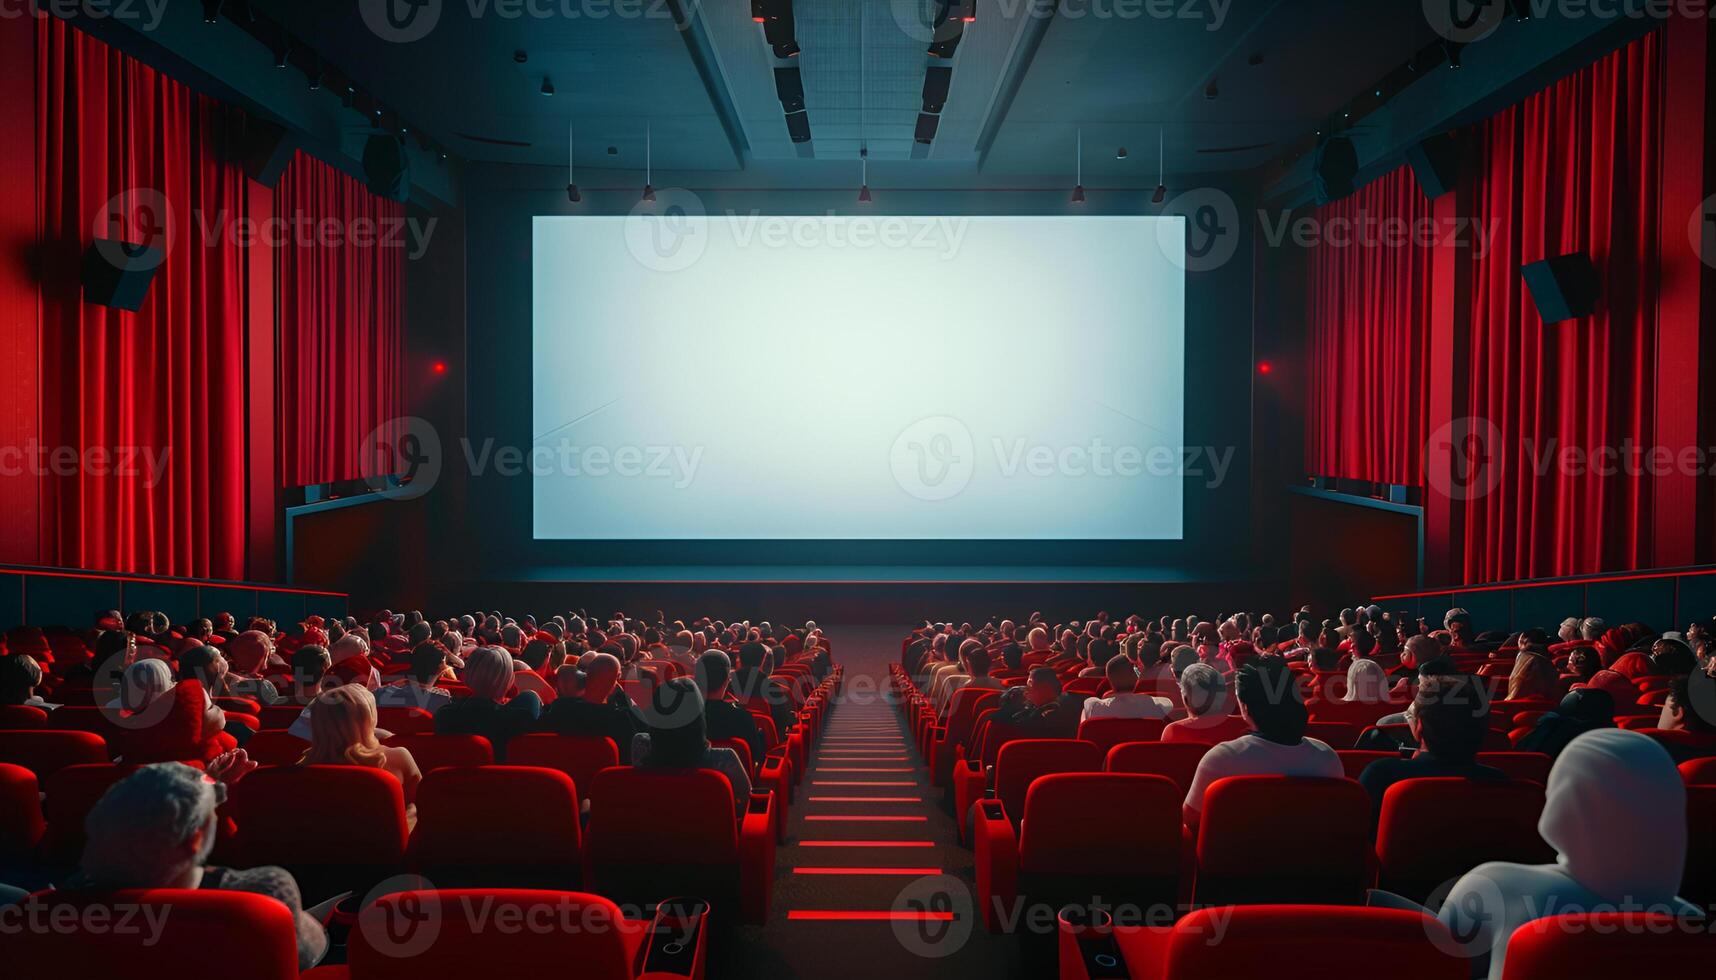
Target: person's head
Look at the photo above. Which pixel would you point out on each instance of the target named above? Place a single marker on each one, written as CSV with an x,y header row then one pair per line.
x,y
1204,690
1610,786
1038,638
1418,649
678,733
753,655
142,683
1323,659
1182,657
152,829
489,673
1042,686
1592,628
1568,631
248,652
1269,700
204,664
1450,717
714,672
1672,658
1012,655
1364,644
428,661
1366,682
1533,677
1691,704
119,646
19,675
601,675
310,664
1458,623
978,662
342,728
1122,676
1584,662
1438,666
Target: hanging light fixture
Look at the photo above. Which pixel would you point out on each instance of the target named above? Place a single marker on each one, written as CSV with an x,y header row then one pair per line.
x,y
572,164
1078,179
864,180
649,188
1161,194
863,148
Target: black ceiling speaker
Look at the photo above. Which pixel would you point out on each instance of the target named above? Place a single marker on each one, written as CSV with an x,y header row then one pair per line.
x,y
1436,164
386,168
118,274
798,126
937,80
1564,287
1334,168
789,87
268,149
927,125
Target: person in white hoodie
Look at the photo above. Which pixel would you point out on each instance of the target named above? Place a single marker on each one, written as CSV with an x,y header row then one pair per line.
x,y
1615,812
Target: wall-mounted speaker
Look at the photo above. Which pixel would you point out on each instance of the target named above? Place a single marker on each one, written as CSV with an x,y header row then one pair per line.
x,y
268,149
118,274
937,80
1436,164
1334,168
386,168
789,88
1564,287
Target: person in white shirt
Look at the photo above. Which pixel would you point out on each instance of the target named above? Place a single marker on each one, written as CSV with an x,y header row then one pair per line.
x,y
977,662
1269,700
1124,702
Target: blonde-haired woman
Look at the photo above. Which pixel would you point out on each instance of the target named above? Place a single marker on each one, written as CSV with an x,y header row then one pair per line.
x,y
488,711
1367,682
342,733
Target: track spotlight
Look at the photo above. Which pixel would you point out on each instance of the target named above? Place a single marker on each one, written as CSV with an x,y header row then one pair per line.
x,y
1520,10
283,54
1161,195
649,193
1120,154
1452,49
547,85
316,80
1212,91
1078,171
1078,194
573,195
864,175
864,194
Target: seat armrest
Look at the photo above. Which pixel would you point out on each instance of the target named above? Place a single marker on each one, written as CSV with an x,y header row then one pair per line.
x,y
775,778
967,790
996,850
757,858
676,944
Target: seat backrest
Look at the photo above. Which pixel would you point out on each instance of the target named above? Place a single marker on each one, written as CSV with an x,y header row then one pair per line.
x,y
963,709
578,756
17,717
534,804
1605,944
69,795
432,752
275,748
1242,857
1531,766
282,815
1023,760
274,716
1353,761
440,935
1312,942
1471,821
21,824
404,720
740,747
45,751
1106,733
1361,713
1058,835
632,811
1699,772
1334,734
1698,885
83,718
1176,760
183,933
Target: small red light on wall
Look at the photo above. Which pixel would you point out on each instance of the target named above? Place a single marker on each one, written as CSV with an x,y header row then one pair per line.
x,y
1264,367
440,367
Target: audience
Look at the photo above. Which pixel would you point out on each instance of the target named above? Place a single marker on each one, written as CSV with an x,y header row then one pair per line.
x,y
1125,702
1268,700
725,719
1209,709
1448,721
488,711
428,664
1039,708
679,739
342,733
600,708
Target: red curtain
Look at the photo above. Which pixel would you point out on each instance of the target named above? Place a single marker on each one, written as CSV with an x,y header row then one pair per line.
x,y
340,284
1574,168
1367,318
142,413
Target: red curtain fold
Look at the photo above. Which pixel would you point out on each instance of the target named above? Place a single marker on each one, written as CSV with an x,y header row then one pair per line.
x,y
1574,168
1367,328
340,281
142,413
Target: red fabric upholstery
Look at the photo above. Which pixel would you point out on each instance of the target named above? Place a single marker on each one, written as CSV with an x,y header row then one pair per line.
x,y
46,752
1176,760
1021,761
1532,766
1699,772
1470,821
577,756
432,752
275,748
71,793
404,721
284,817
17,717
183,934
1244,859
1604,944
21,824
1144,840
539,808
1106,733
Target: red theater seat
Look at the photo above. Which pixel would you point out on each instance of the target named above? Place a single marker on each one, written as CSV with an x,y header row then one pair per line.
x,y
1246,855
1106,733
1176,760
396,720
435,935
1354,761
1532,766
275,748
1286,942
432,752
70,793
183,934
1699,772
1061,855
1698,886
578,756
21,823
657,834
1023,760
1334,734
18,717
1470,821
538,809
46,752
1606,944
336,828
